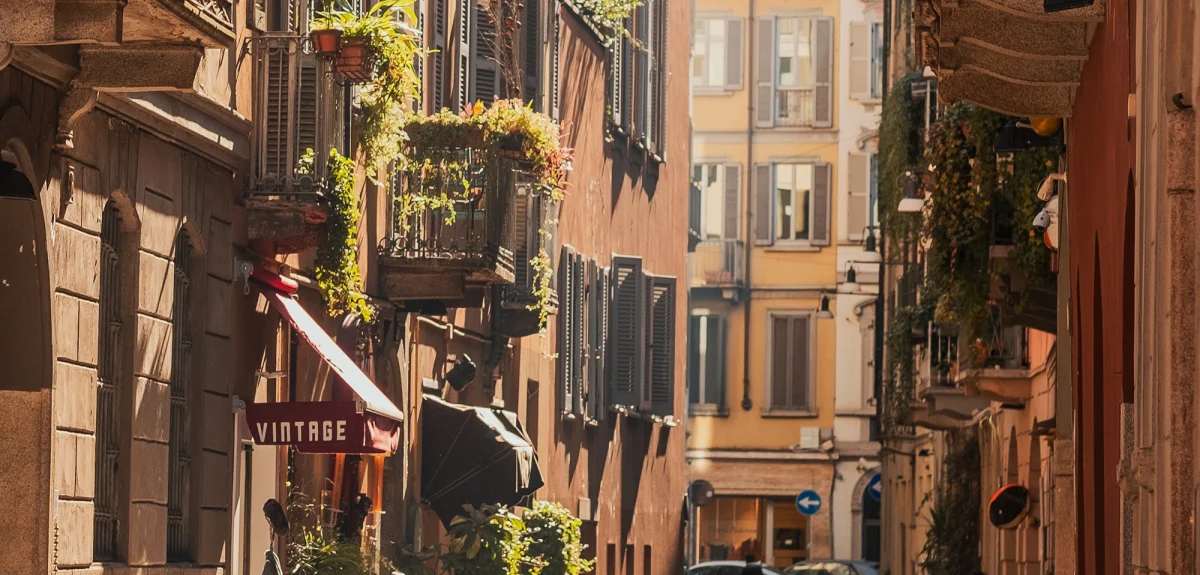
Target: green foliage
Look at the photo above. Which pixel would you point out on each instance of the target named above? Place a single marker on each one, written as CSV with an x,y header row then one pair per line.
x,y
952,541
1030,258
487,541
607,16
315,551
902,363
555,540
337,258
899,152
394,83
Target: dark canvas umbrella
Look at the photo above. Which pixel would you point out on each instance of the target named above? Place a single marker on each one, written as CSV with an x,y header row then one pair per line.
x,y
474,456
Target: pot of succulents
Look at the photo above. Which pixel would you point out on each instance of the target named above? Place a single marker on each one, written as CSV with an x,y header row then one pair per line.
x,y
326,41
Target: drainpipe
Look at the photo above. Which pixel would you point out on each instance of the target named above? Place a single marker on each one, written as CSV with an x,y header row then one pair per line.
x,y
748,290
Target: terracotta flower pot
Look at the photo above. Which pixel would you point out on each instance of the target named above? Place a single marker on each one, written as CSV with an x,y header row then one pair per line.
x,y
326,42
355,60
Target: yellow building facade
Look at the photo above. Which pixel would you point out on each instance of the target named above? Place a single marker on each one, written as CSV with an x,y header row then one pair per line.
x,y
773,116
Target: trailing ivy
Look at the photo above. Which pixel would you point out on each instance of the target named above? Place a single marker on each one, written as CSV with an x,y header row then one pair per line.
x,y
952,541
1030,258
337,257
899,152
902,362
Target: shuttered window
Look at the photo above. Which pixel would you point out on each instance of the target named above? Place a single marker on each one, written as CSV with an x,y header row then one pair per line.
x,y
659,393
555,50
720,200
706,362
532,55
792,204
858,196
627,333
790,365
656,105
485,70
718,53
108,438
597,333
438,56
620,82
462,84
794,72
568,345
641,64
861,54
179,449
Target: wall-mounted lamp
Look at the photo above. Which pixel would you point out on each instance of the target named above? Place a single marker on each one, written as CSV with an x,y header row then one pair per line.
x,y
851,284
824,312
462,374
870,254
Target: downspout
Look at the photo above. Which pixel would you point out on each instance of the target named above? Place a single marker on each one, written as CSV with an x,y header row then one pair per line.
x,y
748,290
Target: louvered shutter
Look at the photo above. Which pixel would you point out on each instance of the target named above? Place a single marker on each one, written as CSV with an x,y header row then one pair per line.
x,y
764,96
276,144
627,332
658,78
860,60
463,76
642,88
733,200
823,69
578,336
821,205
661,340
599,320
566,330
799,364
533,53
308,93
695,370
763,204
734,53
714,364
780,362
625,85
555,49
858,196
485,72
614,84
525,236
437,57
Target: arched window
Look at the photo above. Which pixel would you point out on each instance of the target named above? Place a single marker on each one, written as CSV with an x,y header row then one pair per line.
x,y
108,440
871,535
179,454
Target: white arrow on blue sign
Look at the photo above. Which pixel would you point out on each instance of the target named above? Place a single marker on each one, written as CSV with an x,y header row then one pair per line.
x,y
875,487
808,503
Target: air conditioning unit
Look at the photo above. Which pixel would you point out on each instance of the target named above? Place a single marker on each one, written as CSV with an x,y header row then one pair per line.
x,y
810,438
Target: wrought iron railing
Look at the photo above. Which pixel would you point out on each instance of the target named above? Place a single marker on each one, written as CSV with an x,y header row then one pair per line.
x,y
220,11
942,354
717,263
795,107
1006,347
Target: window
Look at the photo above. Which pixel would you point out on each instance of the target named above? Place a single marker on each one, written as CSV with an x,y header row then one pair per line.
x,y
597,333
795,72
706,361
108,438
720,200
866,61
179,451
659,393
790,368
792,204
877,61
861,194
570,332
717,54
628,333
636,99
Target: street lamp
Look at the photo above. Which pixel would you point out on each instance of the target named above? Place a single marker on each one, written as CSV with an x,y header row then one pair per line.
x,y
824,312
851,284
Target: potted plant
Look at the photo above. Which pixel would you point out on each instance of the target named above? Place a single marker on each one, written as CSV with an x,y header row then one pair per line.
x,y
361,36
355,61
326,41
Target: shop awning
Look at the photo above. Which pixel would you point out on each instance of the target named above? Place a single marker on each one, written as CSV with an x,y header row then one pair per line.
x,y
474,456
370,424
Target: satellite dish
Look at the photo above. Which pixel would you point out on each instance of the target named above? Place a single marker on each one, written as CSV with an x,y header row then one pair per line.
x,y
1009,506
701,493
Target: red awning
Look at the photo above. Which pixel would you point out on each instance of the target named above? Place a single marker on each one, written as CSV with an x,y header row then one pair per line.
x,y
368,425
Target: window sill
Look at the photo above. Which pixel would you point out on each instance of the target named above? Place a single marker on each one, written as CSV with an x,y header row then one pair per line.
x,y
792,247
706,410
789,413
794,129
713,91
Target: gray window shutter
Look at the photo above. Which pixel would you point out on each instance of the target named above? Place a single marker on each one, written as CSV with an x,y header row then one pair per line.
x,y
860,60
533,53
780,362
821,200
661,324
735,31
800,365
733,200
598,353
555,50
277,158
715,362
566,321
694,369
627,332
485,74
419,61
823,68
463,78
695,208
625,95
437,60
763,205
642,88
858,196
764,97
578,337
658,79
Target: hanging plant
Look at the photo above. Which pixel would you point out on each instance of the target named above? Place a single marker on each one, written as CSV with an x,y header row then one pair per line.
x,y
1030,258
606,17
337,258
899,152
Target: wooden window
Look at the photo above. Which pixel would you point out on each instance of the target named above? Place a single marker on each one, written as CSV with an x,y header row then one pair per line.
x,y
179,449
555,51
659,391
464,9
861,58
620,83
792,203
718,47
795,72
108,393
858,196
720,200
485,75
627,336
437,57
570,332
790,366
706,362
597,333
532,57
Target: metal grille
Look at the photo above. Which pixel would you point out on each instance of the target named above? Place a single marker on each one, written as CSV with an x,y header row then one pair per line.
x,y
108,444
179,458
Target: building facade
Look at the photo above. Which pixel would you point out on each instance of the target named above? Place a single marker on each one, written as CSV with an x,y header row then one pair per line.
x,y
162,241
780,330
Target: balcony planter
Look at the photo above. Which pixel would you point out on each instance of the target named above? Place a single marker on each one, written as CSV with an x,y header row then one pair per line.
x,y
355,60
326,43
512,142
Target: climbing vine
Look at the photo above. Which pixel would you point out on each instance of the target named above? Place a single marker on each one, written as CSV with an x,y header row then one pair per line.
x,y
952,540
899,152
607,17
1022,174
337,257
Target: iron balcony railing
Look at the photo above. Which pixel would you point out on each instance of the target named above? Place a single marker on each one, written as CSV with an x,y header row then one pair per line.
x,y
219,11
795,107
942,355
717,263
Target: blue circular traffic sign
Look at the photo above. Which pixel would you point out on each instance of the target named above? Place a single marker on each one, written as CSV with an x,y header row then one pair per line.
x,y
808,503
875,487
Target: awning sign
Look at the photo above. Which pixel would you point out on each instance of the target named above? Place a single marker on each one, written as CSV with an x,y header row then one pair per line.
x,y
321,427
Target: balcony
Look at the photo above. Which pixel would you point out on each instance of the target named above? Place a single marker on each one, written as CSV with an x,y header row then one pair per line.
x,y
1004,375
483,235
296,110
717,264
1027,302
944,403
795,107
1006,55
206,22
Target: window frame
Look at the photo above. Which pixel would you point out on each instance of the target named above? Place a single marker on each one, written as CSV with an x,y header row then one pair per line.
x,y
769,409
727,83
877,61
704,203
810,88
775,207
697,404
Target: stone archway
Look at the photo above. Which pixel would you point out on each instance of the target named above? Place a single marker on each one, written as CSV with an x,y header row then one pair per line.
x,y
26,391
865,511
